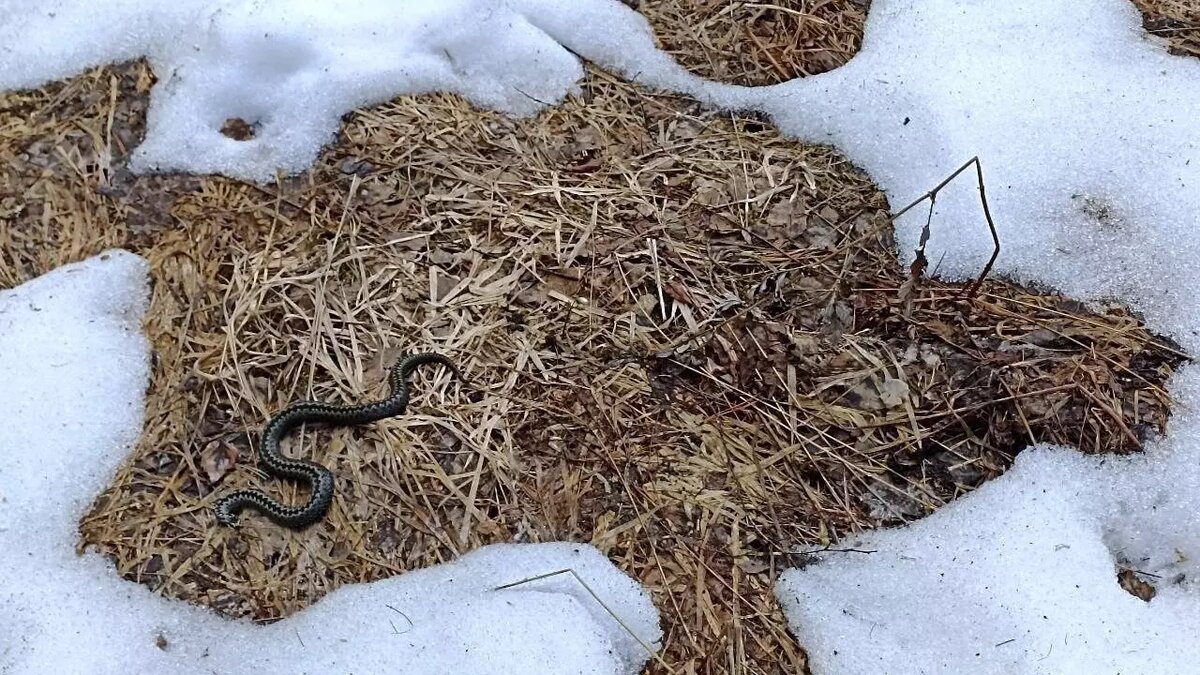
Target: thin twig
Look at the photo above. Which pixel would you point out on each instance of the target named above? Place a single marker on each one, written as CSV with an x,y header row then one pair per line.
x,y
970,290
650,651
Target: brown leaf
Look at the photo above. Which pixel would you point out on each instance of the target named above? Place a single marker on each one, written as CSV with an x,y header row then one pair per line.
x,y
893,392
218,458
710,193
864,396
789,219
836,318
738,189
442,284
830,215
906,297
442,257
679,293
1129,580
1044,337
821,237
238,129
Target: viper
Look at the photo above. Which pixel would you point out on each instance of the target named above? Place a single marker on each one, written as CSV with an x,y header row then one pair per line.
x,y
319,478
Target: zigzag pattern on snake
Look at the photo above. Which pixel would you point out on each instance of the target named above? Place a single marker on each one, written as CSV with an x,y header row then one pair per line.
x,y
317,476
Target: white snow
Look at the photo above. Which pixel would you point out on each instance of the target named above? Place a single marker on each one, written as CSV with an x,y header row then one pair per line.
x,y
1089,134
291,69
1019,577
75,367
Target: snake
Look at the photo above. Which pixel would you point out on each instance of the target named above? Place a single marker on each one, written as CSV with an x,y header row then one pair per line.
x,y
319,478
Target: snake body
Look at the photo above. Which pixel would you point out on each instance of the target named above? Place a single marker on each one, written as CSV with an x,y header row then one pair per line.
x,y
317,476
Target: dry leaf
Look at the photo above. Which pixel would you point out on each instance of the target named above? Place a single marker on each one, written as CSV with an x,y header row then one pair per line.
x,y
218,459
679,293
893,392
1044,337
442,284
830,215
1129,580
238,129
710,193
864,396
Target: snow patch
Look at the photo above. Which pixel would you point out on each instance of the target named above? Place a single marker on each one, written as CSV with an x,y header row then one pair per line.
x,y
76,365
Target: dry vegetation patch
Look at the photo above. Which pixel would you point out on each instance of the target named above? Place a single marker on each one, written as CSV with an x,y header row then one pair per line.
x,y
1176,21
756,43
683,332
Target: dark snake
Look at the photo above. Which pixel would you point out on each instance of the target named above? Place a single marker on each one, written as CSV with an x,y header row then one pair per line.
x,y
318,477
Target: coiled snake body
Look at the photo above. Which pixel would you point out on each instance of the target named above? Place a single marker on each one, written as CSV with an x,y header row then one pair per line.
x,y
317,476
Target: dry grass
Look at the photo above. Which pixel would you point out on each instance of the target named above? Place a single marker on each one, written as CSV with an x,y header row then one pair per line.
x,y
685,333
756,43
1177,21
